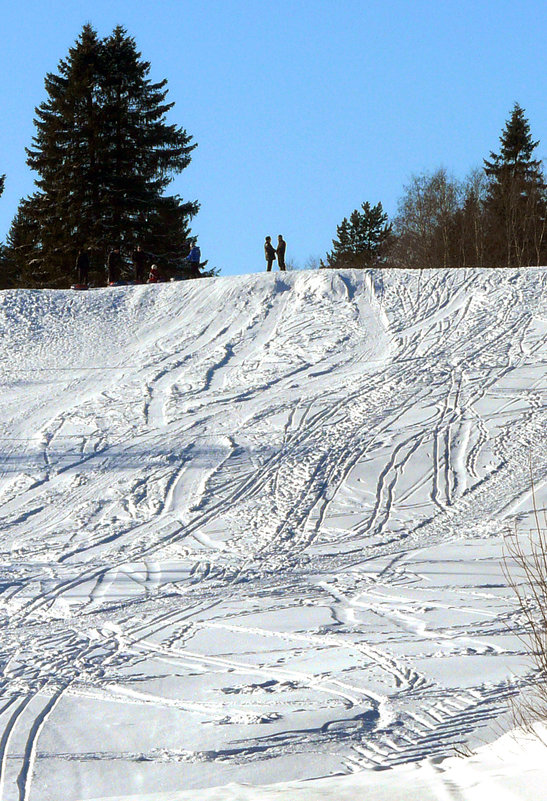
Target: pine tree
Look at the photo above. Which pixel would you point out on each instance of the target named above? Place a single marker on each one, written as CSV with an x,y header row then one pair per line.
x,y
2,179
105,154
21,257
362,240
516,203
142,151
66,207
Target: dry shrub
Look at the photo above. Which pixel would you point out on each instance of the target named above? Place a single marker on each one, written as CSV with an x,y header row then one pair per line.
x,y
525,568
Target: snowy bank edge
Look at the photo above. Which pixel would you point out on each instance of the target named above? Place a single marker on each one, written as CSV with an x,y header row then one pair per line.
x,y
513,767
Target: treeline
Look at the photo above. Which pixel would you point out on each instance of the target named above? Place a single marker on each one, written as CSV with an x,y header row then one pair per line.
x,y
497,217
104,154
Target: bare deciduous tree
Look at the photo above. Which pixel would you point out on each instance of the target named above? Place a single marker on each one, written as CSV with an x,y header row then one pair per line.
x,y
525,568
425,226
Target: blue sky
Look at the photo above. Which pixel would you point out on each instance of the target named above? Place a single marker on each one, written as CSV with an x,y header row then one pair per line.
x,y
302,109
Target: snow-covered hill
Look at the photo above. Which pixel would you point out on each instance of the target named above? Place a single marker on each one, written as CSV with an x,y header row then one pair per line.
x,y
252,526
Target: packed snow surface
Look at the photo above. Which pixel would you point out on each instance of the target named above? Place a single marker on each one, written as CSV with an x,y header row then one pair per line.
x,y
252,530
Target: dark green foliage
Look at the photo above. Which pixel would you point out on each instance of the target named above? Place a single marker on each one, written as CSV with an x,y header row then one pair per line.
x,y
516,202
22,265
212,273
517,147
105,155
2,179
142,153
18,255
362,240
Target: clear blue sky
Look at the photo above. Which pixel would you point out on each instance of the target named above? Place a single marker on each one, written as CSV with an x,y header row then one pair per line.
x,y
302,109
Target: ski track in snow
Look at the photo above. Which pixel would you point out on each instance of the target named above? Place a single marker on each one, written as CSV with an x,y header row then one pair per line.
x,y
252,527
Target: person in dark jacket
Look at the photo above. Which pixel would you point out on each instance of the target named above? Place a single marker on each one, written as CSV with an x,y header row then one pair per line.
x,y
114,265
194,260
281,247
269,253
82,266
139,259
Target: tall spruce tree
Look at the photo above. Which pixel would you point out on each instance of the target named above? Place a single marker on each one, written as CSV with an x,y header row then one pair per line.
x,y
516,203
142,152
362,240
66,208
105,154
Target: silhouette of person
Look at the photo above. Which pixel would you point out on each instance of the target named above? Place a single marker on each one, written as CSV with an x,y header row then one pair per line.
x,y
114,265
269,253
139,260
82,266
281,247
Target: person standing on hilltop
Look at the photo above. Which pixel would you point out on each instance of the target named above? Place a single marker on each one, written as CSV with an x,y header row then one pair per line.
x,y
82,266
139,260
281,247
154,275
193,260
269,253
114,265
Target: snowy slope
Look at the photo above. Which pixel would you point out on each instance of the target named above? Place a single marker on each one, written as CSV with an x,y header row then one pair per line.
x,y
511,769
252,527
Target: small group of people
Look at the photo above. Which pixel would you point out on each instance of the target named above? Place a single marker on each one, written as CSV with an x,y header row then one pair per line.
x,y
140,260
272,253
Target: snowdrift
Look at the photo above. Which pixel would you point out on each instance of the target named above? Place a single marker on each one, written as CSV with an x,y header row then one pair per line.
x,y
252,527
511,769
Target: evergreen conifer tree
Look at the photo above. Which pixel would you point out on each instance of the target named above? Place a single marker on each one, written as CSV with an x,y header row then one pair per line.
x,y
142,151
516,202
66,208
21,262
362,240
105,154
